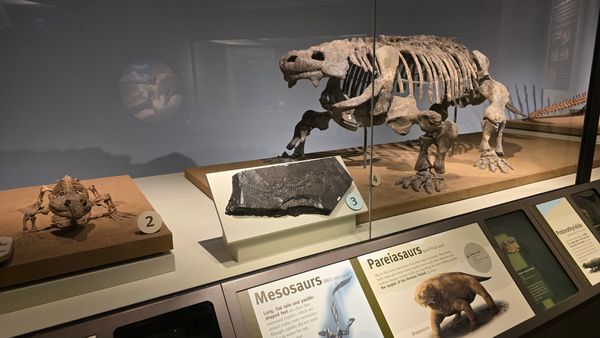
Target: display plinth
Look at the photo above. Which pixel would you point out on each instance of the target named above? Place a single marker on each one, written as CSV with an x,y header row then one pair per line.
x,y
534,158
248,237
51,251
567,125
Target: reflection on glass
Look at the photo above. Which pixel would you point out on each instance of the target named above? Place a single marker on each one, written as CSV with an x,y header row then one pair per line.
x,y
538,270
588,204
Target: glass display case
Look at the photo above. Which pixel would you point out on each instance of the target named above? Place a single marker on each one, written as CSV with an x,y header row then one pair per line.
x,y
262,132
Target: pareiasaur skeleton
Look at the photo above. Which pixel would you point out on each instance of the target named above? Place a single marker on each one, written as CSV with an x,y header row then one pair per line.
x,y
451,75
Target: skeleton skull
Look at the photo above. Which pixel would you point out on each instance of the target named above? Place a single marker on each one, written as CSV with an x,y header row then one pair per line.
x,y
70,199
329,59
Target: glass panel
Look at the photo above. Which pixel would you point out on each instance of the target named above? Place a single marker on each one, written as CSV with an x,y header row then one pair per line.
x,y
143,88
103,88
197,320
539,271
509,77
588,204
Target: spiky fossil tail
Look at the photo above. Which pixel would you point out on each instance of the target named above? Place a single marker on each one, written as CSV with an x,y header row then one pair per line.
x,y
571,102
515,110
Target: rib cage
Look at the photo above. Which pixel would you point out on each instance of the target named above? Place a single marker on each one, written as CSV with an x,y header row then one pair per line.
x,y
68,185
443,65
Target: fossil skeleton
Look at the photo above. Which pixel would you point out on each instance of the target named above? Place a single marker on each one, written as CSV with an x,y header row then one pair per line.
x,y
359,69
70,204
306,187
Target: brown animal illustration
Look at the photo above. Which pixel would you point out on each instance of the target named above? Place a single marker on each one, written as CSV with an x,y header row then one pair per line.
x,y
449,294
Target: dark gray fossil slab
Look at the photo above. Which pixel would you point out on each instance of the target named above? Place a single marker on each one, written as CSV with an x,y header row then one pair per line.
x,y
306,187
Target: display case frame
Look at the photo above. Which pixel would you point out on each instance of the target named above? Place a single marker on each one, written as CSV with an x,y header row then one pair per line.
x,y
236,277
584,292
104,325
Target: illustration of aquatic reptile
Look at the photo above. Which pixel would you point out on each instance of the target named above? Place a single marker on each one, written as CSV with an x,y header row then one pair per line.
x,y
593,264
392,70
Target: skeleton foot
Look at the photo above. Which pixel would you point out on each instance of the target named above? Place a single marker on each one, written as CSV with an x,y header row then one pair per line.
x,y
489,159
425,178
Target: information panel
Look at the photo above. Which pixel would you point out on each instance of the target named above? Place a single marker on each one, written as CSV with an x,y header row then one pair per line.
x,y
448,284
575,236
540,273
326,302
420,285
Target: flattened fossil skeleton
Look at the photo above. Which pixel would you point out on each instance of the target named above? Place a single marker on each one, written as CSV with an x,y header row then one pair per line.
x,y
306,187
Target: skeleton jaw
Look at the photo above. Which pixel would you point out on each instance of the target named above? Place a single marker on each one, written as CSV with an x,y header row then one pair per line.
x,y
314,76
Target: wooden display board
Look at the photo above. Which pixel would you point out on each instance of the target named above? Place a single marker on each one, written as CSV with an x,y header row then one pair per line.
x,y
568,125
51,251
534,159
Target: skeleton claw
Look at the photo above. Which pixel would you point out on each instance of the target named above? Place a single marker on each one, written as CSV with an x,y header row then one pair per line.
x,y
425,178
489,159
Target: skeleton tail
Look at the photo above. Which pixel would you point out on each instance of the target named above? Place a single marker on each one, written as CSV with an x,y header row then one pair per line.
x,y
574,101
515,110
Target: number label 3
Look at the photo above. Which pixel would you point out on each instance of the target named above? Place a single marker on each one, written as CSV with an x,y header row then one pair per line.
x,y
354,202
149,222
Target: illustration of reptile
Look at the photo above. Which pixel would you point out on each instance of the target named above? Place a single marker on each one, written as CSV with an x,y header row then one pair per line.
x,y
392,70
450,294
593,264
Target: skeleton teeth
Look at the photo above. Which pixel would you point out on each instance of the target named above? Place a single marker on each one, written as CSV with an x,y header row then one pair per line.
x,y
315,81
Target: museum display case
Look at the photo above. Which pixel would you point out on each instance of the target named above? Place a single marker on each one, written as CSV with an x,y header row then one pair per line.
x,y
150,148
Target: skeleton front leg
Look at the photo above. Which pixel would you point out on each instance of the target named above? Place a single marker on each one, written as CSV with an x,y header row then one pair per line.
x,y
310,119
402,115
103,200
30,212
427,175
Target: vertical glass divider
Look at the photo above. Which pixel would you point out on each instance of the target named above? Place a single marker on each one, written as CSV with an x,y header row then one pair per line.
x,y
372,120
590,122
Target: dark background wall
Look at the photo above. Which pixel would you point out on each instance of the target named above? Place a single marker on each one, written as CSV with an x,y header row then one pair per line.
x,y
60,64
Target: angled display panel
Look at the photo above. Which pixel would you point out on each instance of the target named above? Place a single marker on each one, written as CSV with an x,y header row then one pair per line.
x,y
578,240
422,287
545,280
425,282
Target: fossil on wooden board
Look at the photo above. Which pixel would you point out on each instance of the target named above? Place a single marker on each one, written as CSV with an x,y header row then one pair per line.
x,y
70,204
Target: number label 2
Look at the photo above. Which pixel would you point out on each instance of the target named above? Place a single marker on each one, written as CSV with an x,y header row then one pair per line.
x,y
149,222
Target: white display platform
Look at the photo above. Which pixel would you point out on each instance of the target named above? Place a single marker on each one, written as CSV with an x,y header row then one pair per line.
x,y
249,237
200,258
